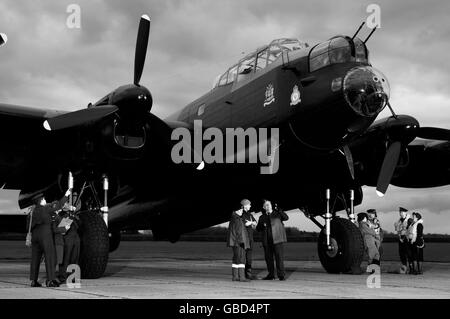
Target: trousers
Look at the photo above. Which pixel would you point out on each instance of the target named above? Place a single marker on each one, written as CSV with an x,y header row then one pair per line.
x,y
277,251
42,244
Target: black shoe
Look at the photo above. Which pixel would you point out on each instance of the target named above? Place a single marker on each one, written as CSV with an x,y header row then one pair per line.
x,y
281,278
35,283
52,283
269,277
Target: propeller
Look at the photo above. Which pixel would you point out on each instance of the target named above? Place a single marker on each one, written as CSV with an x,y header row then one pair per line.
x,y
434,133
349,159
133,100
3,39
79,117
141,47
387,169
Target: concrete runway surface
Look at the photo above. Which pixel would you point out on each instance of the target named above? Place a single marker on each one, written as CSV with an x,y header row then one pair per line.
x,y
203,270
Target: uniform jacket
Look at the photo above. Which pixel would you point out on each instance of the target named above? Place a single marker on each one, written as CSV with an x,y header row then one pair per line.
x,y
248,216
401,227
277,231
237,233
42,215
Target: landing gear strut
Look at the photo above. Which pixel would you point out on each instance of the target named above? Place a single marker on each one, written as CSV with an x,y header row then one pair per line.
x,y
104,209
340,245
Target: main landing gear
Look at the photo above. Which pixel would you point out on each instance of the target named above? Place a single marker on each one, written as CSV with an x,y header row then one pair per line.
x,y
340,245
94,234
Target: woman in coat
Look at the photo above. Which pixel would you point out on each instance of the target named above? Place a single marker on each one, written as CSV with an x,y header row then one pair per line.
x,y
417,242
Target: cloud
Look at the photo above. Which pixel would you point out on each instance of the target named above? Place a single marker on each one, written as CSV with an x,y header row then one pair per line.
x,y
8,202
45,64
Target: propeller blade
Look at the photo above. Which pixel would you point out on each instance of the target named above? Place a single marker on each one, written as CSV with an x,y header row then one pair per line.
x,y
387,169
349,158
3,39
78,117
434,133
141,47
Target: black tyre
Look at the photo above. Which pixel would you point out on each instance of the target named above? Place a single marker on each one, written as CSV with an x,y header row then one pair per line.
x,y
348,247
94,245
114,241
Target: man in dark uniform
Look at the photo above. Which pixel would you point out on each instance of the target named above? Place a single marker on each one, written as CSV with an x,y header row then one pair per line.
x,y
401,226
42,240
273,236
250,225
71,240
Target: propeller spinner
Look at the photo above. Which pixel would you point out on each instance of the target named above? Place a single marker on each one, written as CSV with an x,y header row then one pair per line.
x,y
131,100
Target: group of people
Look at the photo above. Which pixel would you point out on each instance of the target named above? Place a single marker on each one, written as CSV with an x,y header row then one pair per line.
x,y
54,236
410,239
240,239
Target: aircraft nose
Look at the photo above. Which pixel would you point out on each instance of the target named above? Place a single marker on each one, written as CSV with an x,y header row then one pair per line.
x,y
366,90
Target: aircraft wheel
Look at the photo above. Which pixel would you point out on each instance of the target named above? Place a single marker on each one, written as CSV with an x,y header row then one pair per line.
x,y
348,247
114,241
94,245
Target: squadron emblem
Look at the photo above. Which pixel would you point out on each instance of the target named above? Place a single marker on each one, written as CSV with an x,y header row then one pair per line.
x,y
270,98
295,96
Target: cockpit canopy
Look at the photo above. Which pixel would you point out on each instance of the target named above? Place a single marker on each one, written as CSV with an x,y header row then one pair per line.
x,y
338,49
258,60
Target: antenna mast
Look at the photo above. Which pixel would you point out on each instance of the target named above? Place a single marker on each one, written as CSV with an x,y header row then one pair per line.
x,y
359,29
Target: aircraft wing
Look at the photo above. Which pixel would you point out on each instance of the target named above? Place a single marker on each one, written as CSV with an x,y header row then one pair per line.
x,y
21,131
392,151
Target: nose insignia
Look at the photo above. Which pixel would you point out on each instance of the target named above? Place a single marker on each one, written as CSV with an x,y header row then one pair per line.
x,y
366,90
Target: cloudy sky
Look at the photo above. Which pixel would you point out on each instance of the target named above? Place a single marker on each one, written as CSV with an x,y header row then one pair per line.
x,y
46,64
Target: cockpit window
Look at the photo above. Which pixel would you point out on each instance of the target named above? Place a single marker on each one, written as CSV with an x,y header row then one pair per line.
x,y
261,60
246,66
292,45
337,50
319,56
223,79
258,60
340,50
274,53
232,74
